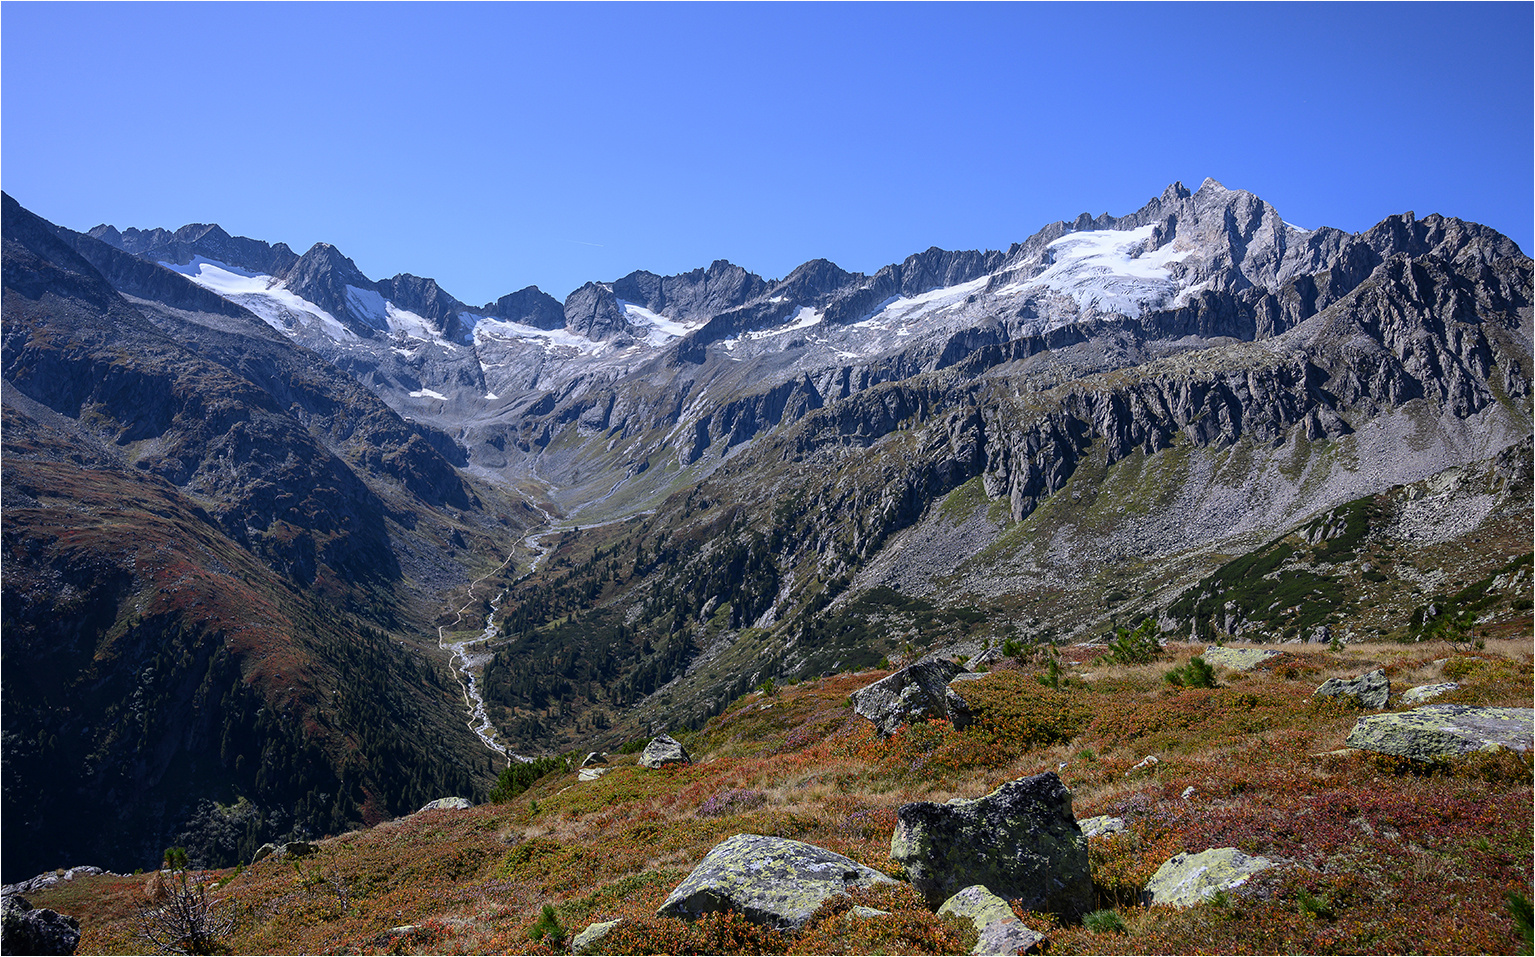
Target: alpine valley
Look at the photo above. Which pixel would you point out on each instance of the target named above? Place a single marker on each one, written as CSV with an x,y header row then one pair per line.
x,y
289,550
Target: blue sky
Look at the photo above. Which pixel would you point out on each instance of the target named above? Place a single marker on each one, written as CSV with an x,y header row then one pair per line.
x,y
495,146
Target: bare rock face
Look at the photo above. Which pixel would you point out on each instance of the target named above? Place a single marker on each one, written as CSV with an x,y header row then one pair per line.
x,y
1371,690
448,804
1021,842
771,881
914,693
664,750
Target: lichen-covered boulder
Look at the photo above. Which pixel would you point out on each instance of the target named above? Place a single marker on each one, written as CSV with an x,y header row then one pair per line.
x,y
1021,841
1437,732
1372,690
1424,693
1188,879
265,851
771,881
591,774
25,929
447,804
999,929
1237,659
663,750
915,693
588,941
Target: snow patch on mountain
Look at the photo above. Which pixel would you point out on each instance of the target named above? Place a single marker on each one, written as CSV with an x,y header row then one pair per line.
x,y
901,312
662,329
263,295
1110,270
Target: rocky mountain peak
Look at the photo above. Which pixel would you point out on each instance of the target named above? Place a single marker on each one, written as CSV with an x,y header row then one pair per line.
x,y
593,311
697,294
530,306
331,281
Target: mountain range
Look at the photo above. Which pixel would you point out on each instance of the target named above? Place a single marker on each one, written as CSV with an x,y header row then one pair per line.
x,y
253,498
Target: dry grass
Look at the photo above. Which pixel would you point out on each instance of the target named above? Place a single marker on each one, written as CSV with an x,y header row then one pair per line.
x,y
1402,859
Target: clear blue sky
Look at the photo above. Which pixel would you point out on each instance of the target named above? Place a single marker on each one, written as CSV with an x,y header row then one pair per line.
x,y
496,146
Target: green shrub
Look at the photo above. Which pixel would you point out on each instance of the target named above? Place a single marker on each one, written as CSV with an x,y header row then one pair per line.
x,y
548,927
521,775
1137,647
1196,674
1105,922
1519,907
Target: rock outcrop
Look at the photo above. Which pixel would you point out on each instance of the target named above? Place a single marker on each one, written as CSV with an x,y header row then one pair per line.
x,y
1021,841
663,750
1424,693
1372,690
999,929
914,693
589,941
772,881
1438,732
1237,659
1188,879
25,929
447,804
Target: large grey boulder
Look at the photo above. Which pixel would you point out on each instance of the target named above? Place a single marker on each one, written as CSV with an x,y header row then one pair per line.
x,y
915,693
999,929
663,750
447,804
771,881
1439,731
1237,659
1021,841
25,929
1372,690
1188,879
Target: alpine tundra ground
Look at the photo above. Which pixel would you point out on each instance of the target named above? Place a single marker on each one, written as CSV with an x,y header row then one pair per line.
x,y
1379,855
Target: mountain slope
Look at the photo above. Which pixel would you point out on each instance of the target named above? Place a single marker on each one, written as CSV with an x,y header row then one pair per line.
x,y
210,539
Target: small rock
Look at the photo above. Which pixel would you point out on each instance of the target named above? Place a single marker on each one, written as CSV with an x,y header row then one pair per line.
x,y
1021,841
586,942
1188,792
1188,879
299,849
591,774
593,759
1424,693
1101,824
447,804
1372,690
664,750
1000,930
772,881
1008,937
866,912
1149,760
